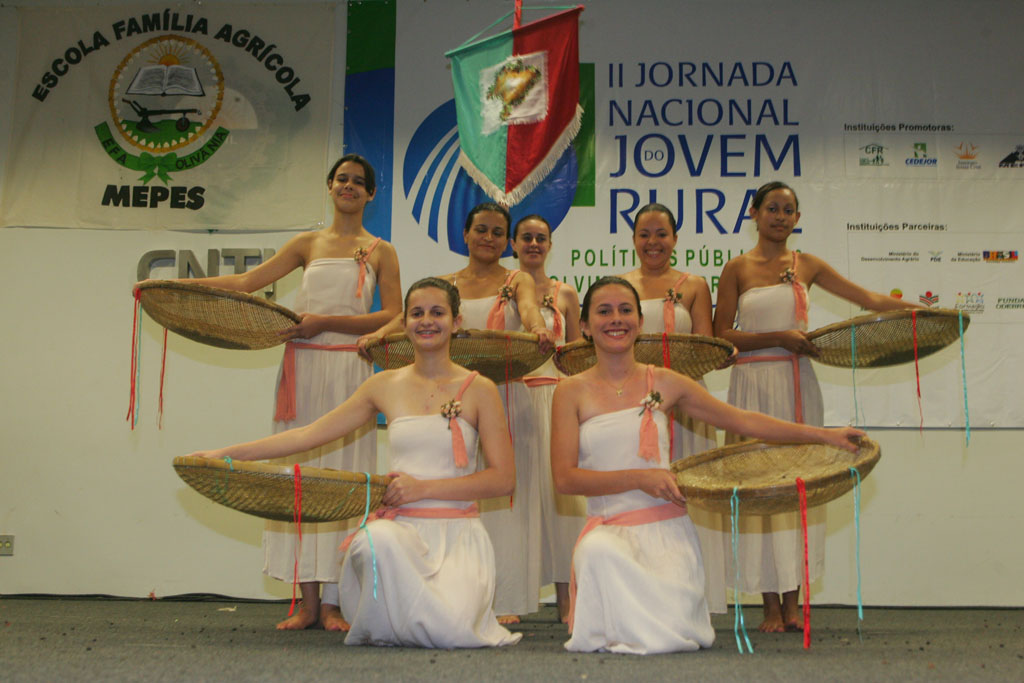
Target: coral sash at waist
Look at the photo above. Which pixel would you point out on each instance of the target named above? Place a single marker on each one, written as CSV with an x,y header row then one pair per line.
x,y
427,513
655,513
286,389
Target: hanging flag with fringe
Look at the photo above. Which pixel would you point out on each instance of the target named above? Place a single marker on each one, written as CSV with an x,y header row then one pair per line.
x,y
517,103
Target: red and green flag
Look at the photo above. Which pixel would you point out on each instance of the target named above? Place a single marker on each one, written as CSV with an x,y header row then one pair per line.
x,y
517,103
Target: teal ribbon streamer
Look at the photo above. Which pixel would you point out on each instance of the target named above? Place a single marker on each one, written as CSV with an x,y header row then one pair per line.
x,y
362,525
482,31
231,468
963,374
855,473
853,365
738,623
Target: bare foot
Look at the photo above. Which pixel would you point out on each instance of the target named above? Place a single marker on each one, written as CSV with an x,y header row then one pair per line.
x,y
331,619
562,601
773,622
303,619
792,617
509,619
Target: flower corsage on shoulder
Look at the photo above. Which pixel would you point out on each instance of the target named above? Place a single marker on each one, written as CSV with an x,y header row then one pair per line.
x,y
548,301
451,410
360,255
673,297
505,293
652,401
788,276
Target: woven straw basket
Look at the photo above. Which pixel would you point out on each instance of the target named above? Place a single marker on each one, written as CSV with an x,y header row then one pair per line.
x,y
887,338
268,491
766,475
693,355
498,355
218,317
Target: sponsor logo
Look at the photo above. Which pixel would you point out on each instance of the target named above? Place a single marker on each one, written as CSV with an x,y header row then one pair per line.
x,y
999,256
966,155
970,302
163,99
935,256
895,256
928,299
873,155
442,193
1010,303
966,257
921,157
1014,159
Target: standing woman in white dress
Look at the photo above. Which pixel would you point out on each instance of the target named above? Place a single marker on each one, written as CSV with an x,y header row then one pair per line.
x,y
637,565
422,573
561,517
677,302
764,294
496,298
342,265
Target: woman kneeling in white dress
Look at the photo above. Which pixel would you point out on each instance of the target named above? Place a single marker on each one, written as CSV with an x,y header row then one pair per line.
x,y
422,573
638,578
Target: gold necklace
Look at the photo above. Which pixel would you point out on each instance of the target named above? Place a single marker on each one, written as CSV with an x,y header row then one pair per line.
x,y
620,389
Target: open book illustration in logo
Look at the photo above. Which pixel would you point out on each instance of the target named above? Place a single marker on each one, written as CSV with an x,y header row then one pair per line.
x,y
163,80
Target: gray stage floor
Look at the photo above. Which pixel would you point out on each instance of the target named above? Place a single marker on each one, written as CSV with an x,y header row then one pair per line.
x,y
170,640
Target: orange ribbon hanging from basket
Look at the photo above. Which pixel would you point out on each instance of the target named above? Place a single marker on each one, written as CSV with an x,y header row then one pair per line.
x,y
132,417
297,518
801,489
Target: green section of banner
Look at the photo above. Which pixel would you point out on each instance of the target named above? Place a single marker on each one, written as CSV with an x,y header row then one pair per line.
x,y
487,152
372,22
159,166
584,142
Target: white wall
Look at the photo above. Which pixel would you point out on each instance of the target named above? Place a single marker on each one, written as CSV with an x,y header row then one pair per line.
x,y
96,507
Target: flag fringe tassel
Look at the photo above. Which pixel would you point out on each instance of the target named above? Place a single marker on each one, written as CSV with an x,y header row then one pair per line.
x,y
519,192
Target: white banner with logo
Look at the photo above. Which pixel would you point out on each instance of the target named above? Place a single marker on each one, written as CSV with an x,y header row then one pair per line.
x,y
200,116
901,135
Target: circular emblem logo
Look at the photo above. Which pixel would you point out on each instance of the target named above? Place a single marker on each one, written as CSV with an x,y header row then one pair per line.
x,y
165,93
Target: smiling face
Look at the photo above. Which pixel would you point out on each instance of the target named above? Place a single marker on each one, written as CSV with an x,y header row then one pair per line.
x,y
532,242
611,316
777,215
347,187
487,236
654,240
428,318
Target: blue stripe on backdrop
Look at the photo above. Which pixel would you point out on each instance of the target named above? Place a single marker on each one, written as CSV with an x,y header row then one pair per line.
x,y
369,130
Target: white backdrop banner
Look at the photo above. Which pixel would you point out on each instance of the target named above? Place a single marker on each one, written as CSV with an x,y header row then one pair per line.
x,y
900,134
203,116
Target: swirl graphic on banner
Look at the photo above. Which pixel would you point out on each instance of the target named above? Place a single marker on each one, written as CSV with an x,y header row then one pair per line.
x,y
443,193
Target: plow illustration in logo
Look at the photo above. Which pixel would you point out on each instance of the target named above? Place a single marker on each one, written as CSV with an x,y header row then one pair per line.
x,y
163,99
